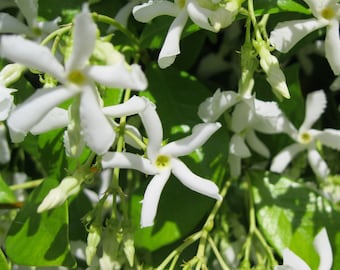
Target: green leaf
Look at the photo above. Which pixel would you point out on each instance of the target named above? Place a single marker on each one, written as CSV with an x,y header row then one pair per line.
x,y
180,211
40,239
3,262
6,194
290,215
277,6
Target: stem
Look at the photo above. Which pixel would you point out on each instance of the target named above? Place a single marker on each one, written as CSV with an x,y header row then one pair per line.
x,y
219,258
27,185
56,33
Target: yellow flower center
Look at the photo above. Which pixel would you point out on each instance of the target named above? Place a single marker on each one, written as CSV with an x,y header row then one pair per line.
x,y
76,77
162,161
327,13
305,138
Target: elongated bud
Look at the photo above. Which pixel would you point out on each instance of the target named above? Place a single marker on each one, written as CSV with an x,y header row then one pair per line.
x,y
11,73
57,196
93,240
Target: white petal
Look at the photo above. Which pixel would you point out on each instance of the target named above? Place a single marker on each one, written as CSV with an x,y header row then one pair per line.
x,y
315,106
134,105
97,131
123,14
130,141
193,181
5,153
84,39
147,11
318,165
30,54
287,34
213,107
153,128
128,161
11,25
170,48
238,147
6,102
55,118
151,198
234,165
119,75
324,249
29,8
242,116
330,137
200,134
294,261
332,45
28,114
283,158
255,144
335,86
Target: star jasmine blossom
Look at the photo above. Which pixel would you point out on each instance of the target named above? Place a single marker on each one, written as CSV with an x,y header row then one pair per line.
x,y
323,247
206,14
77,79
34,28
162,160
327,14
306,138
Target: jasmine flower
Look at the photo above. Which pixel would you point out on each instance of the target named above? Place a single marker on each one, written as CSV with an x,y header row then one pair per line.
x,y
77,80
306,138
327,14
323,247
162,160
209,15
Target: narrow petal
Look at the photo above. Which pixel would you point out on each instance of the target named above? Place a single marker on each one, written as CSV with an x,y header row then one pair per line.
x,y
243,114
315,106
130,141
5,153
287,34
152,9
6,102
55,118
97,131
30,54
290,259
151,198
170,48
213,107
324,249
119,75
24,117
332,45
255,144
283,158
330,137
153,128
317,163
193,181
29,8
128,161
84,39
238,147
11,25
200,134
134,105
123,14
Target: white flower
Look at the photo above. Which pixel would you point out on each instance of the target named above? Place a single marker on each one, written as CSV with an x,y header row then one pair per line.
x,y
323,247
5,153
306,138
327,14
77,80
57,196
212,17
161,161
34,28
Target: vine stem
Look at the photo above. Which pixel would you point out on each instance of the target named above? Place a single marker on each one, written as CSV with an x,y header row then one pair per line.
x,y
27,185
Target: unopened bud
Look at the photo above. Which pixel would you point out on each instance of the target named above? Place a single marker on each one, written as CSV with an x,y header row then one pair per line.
x,y
93,239
11,73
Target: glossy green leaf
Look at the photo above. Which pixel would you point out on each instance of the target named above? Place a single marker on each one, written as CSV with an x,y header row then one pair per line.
x,y
277,6
40,239
3,262
6,194
290,214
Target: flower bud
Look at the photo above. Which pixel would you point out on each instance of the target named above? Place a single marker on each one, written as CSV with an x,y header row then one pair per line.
x,y
10,74
57,196
93,239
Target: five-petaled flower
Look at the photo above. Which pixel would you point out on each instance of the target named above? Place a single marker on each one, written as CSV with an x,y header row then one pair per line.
x,y
327,14
323,247
162,160
306,138
77,80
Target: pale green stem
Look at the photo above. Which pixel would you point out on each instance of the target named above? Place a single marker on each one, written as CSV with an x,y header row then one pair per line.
x,y
56,33
218,256
27,185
